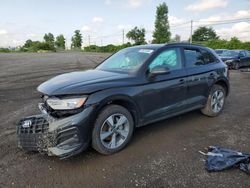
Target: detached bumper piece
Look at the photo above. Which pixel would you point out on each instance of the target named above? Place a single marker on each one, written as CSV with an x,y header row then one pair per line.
x,y
41,133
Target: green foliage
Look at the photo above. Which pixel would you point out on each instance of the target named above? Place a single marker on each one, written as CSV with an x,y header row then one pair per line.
x,y
204,34
49,38
60,42
5,50
162,31
36,46
137,35
232,44
28,44
106,49
76,40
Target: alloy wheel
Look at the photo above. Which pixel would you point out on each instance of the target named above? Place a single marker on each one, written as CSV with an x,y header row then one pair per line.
x,y
217,101
114,131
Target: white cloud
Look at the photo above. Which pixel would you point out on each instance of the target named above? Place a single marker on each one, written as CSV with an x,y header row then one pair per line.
x,y
125,27
175,20
202,5
86,28
137,3
31,35
240,30
3,32
108,2
97,19
221,17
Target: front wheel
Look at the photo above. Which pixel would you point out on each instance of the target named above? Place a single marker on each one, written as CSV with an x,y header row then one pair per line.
x,y
215,101
113,129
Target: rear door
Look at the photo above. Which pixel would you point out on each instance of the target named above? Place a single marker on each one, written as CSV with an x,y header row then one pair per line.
x,y
200,71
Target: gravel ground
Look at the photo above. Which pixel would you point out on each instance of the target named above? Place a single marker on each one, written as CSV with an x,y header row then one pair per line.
x,y
163,154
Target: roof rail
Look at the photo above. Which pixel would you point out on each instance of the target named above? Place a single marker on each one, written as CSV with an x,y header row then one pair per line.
x,y
184,43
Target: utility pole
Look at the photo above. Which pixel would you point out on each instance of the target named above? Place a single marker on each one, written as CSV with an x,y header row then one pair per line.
x,y
123,36
191,33
89,39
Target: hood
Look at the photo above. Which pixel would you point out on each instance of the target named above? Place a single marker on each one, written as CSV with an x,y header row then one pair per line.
x,y
84,82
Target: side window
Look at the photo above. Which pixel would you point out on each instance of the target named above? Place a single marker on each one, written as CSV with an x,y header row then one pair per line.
x,y
248,53
208,57
170,58
242,54
195,57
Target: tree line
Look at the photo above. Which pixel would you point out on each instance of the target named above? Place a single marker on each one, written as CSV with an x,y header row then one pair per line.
x,y
51,43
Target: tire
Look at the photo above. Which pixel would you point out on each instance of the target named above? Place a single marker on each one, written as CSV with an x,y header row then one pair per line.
x,y
210,108
108,138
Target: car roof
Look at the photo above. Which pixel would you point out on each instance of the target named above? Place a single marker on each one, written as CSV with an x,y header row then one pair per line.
x,y
149,46
158,46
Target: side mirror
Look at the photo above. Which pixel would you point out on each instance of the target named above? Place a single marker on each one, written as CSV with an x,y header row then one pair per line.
x,y
159,70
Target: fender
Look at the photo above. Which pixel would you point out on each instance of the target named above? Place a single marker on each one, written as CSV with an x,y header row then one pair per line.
x,y
125,94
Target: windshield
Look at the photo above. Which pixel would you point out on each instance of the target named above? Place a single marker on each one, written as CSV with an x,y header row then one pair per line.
x,y
127,60
229,53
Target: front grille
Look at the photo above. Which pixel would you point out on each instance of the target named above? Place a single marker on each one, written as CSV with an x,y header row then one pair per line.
x,y
38,125
30,131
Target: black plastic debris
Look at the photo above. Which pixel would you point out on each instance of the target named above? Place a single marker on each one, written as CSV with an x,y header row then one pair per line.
x,y
219,159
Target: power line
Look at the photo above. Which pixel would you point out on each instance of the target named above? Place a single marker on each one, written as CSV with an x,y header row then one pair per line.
x,y
179,25
224,21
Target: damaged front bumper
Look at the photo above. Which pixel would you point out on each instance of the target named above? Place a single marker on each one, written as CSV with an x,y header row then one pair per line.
x,y
62,137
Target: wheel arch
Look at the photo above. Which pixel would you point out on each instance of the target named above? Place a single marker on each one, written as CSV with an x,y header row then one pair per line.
x,y
224,84
124,101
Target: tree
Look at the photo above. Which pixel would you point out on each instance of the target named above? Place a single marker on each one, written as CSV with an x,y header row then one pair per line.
x,y
162,31
60,42
204,34
137,35
49,38
234,43
76,40
28,43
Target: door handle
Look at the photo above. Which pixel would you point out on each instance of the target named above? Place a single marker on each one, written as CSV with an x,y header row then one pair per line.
x,y
211,75
181,81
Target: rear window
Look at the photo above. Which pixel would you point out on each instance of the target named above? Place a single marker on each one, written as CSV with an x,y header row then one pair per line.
x,y
195,57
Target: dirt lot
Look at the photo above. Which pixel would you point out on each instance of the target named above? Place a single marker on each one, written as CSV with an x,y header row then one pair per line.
x,y
164,154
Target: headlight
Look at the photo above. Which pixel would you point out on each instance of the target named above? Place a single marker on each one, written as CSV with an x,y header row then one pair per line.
x,y
66,103
230,61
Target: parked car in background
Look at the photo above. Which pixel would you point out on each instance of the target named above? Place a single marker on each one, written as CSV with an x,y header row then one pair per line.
x,y
220,51
236,59
134,87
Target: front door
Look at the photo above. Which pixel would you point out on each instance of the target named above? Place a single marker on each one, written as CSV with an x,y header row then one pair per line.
x,y
164,94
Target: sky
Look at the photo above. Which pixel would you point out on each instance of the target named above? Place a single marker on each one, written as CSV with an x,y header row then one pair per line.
x,y
102,21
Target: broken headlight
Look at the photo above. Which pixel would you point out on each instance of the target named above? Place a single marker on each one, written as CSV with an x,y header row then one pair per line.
x,y
66,103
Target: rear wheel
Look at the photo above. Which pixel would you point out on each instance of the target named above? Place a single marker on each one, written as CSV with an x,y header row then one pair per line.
x,y
215,102
113,129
